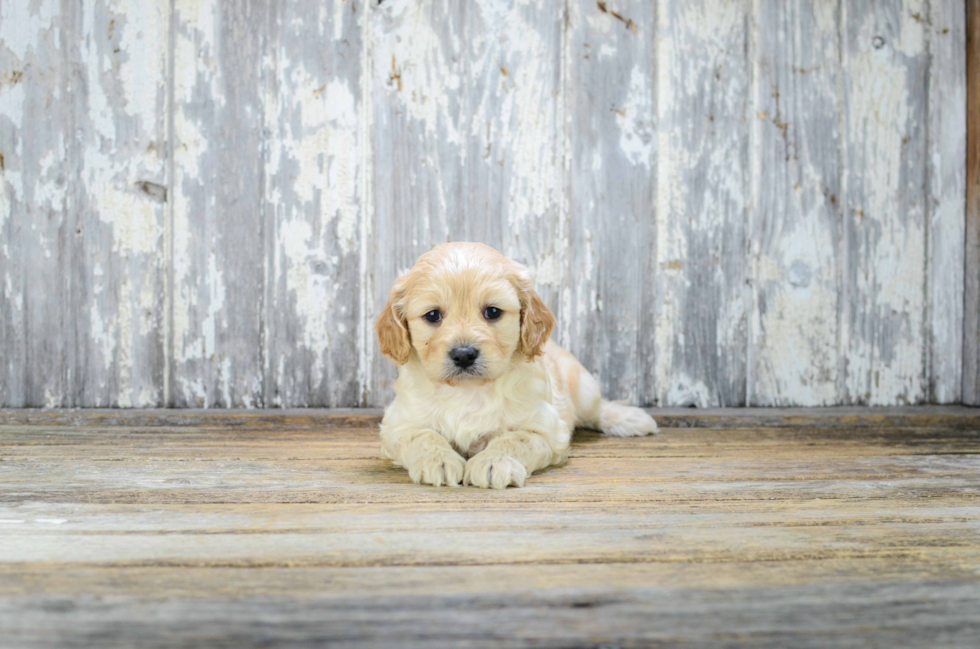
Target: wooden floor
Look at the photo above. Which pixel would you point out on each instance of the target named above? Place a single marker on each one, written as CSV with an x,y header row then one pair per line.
x,y
747,528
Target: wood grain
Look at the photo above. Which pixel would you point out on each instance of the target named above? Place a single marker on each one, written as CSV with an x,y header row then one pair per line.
x,y
611,96
885,150
702,155
945,207
204,202
243,530
36,204
795,227
971,320
314,170
841,417
906,615
119,196
218,224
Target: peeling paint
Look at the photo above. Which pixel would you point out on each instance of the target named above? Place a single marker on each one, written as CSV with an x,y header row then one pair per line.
x,y
701,324
794,333
694,253
313,292
885,209
26,22
636,137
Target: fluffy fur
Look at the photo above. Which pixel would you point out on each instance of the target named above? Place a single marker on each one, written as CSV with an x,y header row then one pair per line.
x,y
513,411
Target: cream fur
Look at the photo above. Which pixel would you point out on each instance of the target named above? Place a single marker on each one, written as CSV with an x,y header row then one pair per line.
x,y
516,413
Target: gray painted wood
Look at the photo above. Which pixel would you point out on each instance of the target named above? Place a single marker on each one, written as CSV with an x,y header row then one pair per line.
x,y
36,253
885,149
204,204
971,319
795,226
466,142
120,117
944,207
703,106
909,614
218,218
314,155
611,95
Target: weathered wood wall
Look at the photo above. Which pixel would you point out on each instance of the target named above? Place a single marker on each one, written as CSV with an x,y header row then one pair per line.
x,y
725,202
971,316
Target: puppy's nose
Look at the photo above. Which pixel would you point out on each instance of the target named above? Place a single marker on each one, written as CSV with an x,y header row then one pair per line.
x,y
464,355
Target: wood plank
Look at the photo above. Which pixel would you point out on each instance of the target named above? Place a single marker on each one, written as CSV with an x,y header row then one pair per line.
x,y
795,217
464,539
511,152
218,229
611,108
907,614
946,174
314,161
120,111
971,320
466,143
323,425
885,135
172,503
257,280
740,468
702,156
195,454
37,147
50,580
846,417
268,529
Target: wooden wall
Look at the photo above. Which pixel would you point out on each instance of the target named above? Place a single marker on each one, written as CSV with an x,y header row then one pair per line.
x,y
971,319
725,202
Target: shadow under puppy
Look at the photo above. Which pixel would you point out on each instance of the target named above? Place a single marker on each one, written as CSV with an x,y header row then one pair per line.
x,y
482,396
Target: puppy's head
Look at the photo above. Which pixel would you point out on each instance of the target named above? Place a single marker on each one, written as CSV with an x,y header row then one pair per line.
x,y
466,311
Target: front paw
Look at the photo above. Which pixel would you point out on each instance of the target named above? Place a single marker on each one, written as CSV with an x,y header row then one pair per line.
x,y
492,470
438,467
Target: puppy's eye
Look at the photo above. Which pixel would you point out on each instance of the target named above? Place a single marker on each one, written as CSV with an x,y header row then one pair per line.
x,y
492,313
433,316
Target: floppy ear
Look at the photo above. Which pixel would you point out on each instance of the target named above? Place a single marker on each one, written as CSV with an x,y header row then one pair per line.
x,y
393,336
536,322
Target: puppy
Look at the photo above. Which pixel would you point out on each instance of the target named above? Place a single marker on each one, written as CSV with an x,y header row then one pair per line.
x,y
483,397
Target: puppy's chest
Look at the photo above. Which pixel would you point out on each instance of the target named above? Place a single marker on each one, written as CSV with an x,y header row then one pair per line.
x,y
470,424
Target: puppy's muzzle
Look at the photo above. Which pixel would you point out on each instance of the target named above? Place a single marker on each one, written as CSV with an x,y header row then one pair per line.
x,y
464,356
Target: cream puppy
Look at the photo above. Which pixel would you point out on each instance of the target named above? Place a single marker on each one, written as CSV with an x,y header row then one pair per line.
x,y
483,397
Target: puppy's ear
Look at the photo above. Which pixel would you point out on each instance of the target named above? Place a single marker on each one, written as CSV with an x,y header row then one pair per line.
x,y
392,329
536,322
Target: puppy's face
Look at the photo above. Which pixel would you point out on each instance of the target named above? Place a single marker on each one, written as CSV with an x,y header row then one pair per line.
x,y
465,310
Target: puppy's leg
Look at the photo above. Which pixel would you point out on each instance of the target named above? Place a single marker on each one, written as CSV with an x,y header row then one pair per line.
x,y
591,410
509,458
425,453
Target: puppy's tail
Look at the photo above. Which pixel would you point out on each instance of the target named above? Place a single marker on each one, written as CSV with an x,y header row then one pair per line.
x,y
617,420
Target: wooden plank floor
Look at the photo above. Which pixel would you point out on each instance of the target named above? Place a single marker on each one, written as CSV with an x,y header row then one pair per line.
x,y
837,527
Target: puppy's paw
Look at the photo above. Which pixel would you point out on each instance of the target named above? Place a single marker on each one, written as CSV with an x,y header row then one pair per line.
x,y
493,470
437,467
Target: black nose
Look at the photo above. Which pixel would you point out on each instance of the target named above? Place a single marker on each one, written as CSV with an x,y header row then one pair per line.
x,y
464,355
